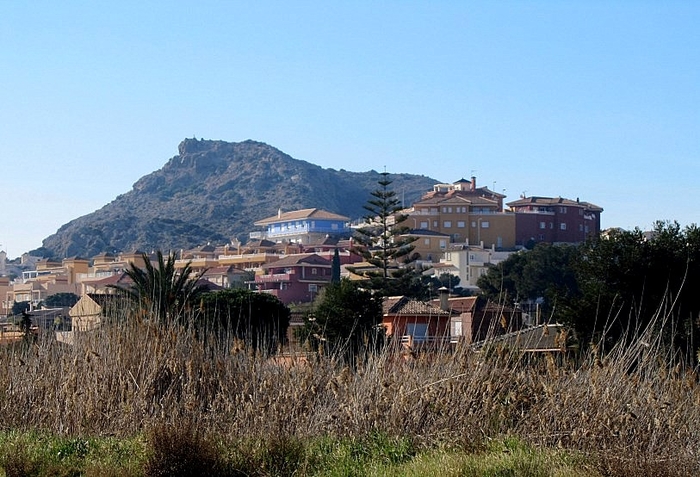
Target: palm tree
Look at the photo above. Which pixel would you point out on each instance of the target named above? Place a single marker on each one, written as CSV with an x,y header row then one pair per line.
x,y
160,290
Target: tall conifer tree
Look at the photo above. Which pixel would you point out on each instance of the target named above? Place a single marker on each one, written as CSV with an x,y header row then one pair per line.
x,y
380,241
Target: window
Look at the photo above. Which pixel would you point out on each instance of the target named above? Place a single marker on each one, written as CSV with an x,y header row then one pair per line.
x,y
444,210
443,243
435,223
562,226
460,224
426,241
447,224
313,288
334,226
314,271
449,210
580,227
473,223
543,225
485,224
562,210
424,225
456,328
419,331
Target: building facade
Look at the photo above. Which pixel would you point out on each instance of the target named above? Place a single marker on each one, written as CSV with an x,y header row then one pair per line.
x,y
466,214
295,278
303,226
554,220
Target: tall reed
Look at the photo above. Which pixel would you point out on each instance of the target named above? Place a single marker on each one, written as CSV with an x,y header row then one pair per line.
x,y
633,408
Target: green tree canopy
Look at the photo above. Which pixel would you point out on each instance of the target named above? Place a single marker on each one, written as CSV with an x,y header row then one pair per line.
x,y
617,284
58,300
20,306
344,318
635,276
259,319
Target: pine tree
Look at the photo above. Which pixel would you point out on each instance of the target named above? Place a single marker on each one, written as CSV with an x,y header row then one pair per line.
x,y
381,241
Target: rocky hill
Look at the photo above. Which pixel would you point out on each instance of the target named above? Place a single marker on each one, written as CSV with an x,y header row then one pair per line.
x,y
213,191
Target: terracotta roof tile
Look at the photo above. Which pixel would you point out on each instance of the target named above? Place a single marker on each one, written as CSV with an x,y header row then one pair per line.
x,y
404,305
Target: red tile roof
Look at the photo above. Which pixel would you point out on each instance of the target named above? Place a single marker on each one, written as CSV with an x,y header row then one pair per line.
x,y
403,305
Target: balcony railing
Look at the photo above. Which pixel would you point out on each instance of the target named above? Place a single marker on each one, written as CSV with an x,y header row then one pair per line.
x,y
537,212
416,342
274,277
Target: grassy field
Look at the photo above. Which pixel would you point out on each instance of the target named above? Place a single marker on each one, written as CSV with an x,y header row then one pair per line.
x,y
138,399
186,454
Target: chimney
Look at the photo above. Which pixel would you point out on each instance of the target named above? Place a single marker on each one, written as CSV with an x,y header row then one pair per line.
x,y
279,213
444,295
473,184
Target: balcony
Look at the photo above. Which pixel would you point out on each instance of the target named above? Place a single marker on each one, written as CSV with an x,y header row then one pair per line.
x,y
425,342
274,278
534,212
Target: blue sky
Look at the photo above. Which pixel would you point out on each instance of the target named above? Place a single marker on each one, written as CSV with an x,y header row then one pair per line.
x,y
590,99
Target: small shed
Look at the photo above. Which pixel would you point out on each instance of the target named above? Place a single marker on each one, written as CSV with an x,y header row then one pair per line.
x,y
88,312
544,338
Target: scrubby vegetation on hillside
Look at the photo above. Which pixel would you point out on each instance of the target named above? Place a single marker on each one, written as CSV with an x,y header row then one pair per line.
x,y
213,191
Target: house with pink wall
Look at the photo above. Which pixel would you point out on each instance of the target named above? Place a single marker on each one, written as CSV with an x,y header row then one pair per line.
x,y
295,278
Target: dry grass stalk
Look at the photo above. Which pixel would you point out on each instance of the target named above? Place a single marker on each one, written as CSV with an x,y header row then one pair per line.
x,y
635,409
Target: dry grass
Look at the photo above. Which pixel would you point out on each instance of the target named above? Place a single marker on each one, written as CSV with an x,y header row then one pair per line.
x,y
633,411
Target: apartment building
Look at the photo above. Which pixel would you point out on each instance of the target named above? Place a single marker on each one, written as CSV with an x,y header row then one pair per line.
x,y
466,214
554,220
303,226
